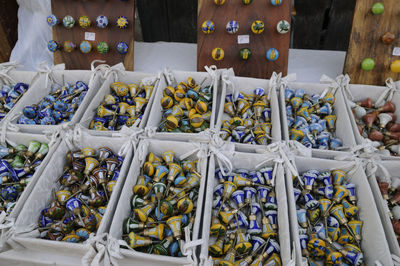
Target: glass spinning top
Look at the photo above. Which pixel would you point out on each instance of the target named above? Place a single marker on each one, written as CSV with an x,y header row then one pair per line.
x,y
217,54
122,22
208,27
102,21
85,47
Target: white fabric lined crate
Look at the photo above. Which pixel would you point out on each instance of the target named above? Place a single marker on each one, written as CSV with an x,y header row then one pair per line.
x,y
248,161
8,76
42,87
172,78
234,85
126,77
343,126
25,138
386,171
374,244
25,236
190,151
358,92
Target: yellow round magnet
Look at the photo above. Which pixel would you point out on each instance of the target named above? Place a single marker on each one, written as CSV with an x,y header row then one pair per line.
x,y
257,27
217,54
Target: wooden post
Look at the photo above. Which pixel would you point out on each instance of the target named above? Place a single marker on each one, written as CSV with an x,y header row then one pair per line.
x,y
8,28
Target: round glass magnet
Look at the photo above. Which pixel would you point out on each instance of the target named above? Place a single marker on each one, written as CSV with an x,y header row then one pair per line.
x,y
85,47
84,22
245,53
68,21
257,27
283,27
217,54
53,46
102,21
272,54
232,26
52,20
219,2
103,48
122,47
69,46
208,27
122,22
246,2
276,2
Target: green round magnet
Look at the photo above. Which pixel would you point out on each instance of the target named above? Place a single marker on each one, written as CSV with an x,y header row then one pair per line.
x,y
245,53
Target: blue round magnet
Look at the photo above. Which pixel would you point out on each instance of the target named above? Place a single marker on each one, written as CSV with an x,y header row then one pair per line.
x,y
276,2
122,47
102,21
53,46
272,54
52,20
232,27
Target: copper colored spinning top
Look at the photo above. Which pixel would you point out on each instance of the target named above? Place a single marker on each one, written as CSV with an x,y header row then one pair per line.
x,y
394,127
375,135
388,107
384,188
369,119
367,103
396,226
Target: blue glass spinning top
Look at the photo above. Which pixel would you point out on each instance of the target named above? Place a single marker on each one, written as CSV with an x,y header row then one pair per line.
x,y
48,120
30,111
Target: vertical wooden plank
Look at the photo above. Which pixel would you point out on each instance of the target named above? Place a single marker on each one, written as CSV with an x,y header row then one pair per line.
x,y
111,34
309,23
182,20
257,65
365,42
339,25
154,20
8,28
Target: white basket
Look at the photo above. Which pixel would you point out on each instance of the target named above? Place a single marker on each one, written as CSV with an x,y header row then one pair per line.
x,y
362,92
41,195
39,91
374,244
247,85
25,138
27,77
132,257
156,113
129,77
249,161
343,126
393,168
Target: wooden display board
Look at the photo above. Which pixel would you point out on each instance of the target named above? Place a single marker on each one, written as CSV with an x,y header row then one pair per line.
x,y
112,9
365,42
257,65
